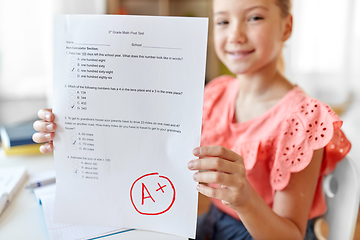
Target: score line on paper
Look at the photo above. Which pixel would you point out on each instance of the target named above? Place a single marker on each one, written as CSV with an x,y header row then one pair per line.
x,y
92,44
162,47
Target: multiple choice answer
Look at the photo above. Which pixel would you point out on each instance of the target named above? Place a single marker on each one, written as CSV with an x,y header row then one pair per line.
x,y
87,167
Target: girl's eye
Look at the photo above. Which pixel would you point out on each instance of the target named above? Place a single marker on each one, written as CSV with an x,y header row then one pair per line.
x,y
222,23
255,18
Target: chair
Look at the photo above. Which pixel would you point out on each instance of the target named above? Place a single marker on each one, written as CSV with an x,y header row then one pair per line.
x,y
342,191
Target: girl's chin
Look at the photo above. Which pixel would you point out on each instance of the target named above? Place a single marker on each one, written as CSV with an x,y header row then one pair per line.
x,y
240,70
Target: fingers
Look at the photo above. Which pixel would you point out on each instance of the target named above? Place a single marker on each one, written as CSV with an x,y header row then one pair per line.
x,y
217,151
224,179
46,114
220,178
43,126
41,137
213,163
46,148
219,193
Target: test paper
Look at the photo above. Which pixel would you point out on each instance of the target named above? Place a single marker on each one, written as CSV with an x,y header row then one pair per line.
x,y
128,94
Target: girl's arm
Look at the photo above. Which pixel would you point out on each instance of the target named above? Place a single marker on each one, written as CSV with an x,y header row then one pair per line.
x,y
289,216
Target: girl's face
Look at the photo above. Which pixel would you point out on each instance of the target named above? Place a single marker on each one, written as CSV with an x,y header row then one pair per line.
x,y
249,34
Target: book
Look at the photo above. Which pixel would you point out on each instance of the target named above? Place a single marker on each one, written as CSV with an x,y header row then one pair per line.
x,y
17,134
11,180
28,149
17,139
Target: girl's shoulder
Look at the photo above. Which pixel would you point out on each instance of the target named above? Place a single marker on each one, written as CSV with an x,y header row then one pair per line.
x,y
310,112
219,84
309,125
216,91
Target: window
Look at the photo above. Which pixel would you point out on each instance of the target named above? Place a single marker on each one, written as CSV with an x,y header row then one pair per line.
x,y
26,28
323,54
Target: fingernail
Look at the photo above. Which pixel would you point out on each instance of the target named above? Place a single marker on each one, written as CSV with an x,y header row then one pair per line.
x,y
191,165
48,147
198,187
48,136
42,148
195,176
196,151
50,127
47,116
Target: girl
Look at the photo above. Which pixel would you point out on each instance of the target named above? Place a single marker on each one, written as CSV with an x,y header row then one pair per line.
x,y
266,145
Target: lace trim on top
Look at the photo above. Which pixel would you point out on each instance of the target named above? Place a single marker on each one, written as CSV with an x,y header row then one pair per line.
x,y
308,129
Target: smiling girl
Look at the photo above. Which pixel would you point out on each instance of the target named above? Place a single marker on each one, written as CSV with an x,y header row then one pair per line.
x,y
266,145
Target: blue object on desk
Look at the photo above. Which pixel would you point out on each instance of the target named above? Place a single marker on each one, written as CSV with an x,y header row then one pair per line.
x,y
111,234
41,183
17,134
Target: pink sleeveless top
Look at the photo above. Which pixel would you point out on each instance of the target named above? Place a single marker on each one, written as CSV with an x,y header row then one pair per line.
x,y
278,142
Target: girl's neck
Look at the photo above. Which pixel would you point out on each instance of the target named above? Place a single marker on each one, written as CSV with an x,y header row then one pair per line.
x,y
258,83
259,92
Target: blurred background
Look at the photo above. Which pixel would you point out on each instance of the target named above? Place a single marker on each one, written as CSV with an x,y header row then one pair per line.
x,y
322,56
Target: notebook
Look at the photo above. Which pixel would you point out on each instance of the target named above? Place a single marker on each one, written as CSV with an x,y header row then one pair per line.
x,y
11,179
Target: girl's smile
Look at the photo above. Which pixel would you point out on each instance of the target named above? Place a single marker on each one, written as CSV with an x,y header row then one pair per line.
x,y
239,54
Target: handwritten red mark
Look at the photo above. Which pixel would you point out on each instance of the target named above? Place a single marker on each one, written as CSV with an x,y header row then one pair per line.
x,y
142,192
144,188
161,188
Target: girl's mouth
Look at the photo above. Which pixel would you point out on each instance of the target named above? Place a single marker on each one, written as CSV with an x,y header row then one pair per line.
x,y
238,55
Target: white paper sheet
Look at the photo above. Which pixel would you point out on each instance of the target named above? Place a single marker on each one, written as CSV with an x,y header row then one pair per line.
x,y
49,189
83,232
128,97
58,231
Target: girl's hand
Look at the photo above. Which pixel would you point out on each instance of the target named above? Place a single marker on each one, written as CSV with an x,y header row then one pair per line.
x,y
225,168
46,128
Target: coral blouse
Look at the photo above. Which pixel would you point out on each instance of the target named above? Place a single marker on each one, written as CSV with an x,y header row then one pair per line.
x,y
278,142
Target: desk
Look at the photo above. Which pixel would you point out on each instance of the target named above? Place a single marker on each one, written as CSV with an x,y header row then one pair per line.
x,y
24,217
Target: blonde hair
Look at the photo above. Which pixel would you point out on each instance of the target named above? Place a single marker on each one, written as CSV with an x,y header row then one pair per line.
x,y
285,8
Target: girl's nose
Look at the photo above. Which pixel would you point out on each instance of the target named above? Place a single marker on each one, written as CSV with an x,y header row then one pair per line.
x,y
237,34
